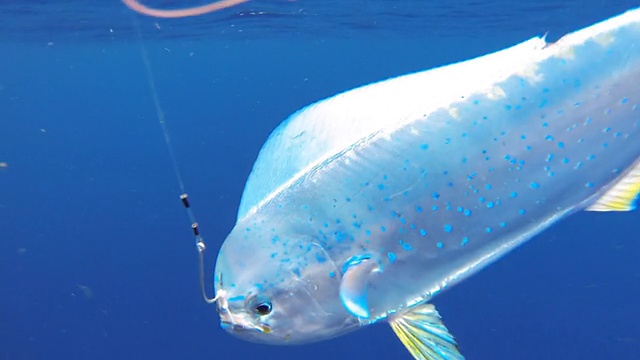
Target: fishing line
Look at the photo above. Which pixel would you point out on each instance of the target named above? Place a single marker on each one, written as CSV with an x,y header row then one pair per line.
x,y
200,245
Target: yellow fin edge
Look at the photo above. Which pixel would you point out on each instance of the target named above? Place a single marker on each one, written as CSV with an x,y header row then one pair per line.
x,y
423,333
622,195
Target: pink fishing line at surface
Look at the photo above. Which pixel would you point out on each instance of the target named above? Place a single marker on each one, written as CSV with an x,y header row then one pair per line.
x,y
136,6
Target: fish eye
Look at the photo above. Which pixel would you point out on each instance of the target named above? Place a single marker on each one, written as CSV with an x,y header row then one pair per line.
x,y
263,308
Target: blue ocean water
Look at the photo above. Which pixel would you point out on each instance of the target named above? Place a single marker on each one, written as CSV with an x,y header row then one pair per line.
x,y
96,256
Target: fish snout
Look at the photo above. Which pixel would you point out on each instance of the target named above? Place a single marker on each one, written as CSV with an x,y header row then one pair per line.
x,y
238,322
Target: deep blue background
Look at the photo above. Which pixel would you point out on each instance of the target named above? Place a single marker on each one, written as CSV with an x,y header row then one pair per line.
x,y
89,196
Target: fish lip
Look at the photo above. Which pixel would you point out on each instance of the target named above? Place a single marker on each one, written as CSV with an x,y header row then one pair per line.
x,y
227,322
235,327
231,326
237,323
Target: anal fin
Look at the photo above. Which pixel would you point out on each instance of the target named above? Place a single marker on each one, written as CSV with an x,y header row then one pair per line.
x,y
423,333
622,195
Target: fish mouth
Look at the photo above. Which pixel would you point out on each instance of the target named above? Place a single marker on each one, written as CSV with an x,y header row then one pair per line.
x,y
238,322
230,326
235,327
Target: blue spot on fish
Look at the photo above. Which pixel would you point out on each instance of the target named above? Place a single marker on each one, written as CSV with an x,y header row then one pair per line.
x,y
448,227
542,103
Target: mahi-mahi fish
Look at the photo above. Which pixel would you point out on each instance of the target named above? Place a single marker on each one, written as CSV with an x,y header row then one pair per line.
x,y
364,206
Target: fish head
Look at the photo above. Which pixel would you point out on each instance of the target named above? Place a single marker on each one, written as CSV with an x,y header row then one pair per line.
x,y
278,290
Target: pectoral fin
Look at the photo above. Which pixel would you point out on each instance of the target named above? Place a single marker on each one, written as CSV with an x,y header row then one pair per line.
x,y
353,288
422,332
622,196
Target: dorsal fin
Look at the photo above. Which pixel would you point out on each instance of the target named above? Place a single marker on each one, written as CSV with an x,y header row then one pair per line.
x,y
316,133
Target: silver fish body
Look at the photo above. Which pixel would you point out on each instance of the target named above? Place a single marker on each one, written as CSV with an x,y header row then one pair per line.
x,y
431,176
